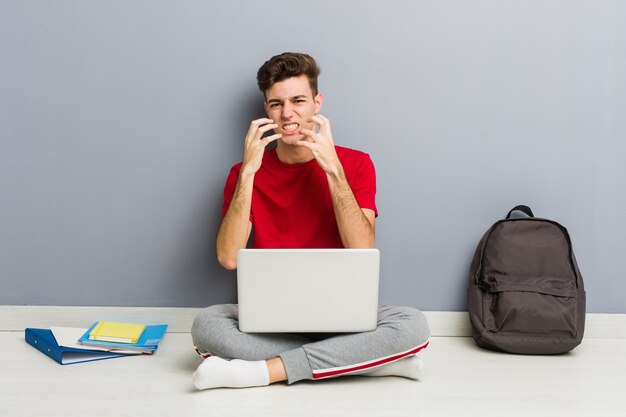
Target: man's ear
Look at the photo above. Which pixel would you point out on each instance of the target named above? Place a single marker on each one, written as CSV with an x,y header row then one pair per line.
x,y
318,99
266,108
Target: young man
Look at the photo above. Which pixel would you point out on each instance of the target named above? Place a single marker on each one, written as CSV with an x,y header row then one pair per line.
x,y
304,193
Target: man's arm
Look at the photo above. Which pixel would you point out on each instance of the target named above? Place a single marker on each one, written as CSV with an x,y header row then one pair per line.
x,y
356,225
234,231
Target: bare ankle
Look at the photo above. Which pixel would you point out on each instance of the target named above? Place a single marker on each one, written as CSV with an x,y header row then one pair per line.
x,y
276,369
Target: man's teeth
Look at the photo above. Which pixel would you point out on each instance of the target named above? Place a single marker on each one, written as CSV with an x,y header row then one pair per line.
x,y
291,127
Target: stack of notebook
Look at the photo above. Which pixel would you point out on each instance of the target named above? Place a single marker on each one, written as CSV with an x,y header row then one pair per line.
x,y
124,336
103,340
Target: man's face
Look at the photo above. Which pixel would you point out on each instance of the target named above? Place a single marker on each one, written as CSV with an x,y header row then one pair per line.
x,y
290,103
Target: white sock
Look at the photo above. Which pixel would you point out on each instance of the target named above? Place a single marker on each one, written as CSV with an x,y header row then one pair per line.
x,y
216,372
410,367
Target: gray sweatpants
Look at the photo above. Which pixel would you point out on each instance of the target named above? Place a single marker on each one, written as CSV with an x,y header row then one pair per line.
x,y
401,331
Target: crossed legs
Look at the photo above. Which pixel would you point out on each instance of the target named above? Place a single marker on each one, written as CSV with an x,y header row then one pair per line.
x,y
239,359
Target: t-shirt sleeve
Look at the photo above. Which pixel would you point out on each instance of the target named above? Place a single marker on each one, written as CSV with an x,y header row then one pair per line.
x,y
363,183
229,189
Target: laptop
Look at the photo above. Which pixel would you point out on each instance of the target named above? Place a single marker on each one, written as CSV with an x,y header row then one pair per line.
x,y
307,290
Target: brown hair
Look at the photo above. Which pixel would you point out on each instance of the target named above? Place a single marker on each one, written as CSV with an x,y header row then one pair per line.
x,y
286,65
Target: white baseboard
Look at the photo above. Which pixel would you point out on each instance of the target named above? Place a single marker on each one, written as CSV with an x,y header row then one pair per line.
x,y
442,323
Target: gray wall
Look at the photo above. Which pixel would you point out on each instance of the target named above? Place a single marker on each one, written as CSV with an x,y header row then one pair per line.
x,y
119,121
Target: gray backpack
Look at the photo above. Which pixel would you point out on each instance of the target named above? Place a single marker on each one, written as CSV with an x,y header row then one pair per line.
x,y
526,294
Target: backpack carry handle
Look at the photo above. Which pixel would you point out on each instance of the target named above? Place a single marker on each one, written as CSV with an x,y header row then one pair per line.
x,y
524,209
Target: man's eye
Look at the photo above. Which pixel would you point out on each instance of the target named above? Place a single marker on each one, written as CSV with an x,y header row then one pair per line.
x,y
274,105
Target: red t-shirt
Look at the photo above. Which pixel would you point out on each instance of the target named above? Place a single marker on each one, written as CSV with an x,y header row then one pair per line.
x,y
291,203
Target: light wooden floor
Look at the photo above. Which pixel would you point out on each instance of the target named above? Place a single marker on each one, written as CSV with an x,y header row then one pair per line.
x,y
461,380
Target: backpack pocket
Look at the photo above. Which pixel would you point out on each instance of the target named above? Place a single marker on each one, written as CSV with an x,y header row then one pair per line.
x,y
530,306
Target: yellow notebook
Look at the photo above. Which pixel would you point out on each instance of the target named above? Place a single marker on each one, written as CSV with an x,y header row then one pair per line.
x,y
108,331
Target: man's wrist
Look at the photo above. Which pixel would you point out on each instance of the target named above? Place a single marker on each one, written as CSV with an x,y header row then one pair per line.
x,y
246,174
336,173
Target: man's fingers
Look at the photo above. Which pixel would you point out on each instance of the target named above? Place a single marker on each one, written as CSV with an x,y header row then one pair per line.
x,y
323,123
258,132
254,127
310,133
261,121
269,139
306,144
267,127
258,122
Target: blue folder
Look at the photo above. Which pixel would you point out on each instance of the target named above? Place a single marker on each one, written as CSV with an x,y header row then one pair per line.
x,y
44,341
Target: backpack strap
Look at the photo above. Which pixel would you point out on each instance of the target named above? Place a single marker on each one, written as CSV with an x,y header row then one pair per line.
x,y
524,209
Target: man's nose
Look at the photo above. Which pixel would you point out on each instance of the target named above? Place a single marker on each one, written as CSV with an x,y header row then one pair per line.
x,y
287,110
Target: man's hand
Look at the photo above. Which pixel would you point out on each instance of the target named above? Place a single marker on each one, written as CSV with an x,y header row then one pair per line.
x,y
254,145
322,145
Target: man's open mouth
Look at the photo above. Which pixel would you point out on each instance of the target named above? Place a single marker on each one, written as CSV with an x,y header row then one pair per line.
x,y
291,127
